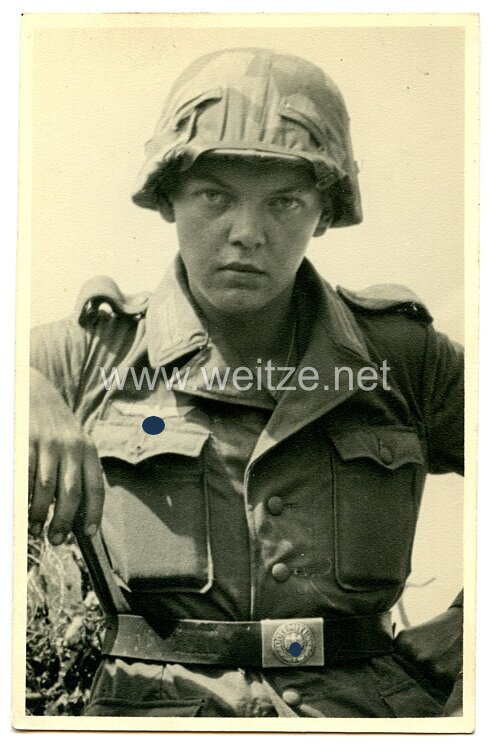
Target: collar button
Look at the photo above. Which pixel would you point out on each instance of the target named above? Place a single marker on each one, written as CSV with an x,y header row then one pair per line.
x,y
386,454
280,572
275,505
291,697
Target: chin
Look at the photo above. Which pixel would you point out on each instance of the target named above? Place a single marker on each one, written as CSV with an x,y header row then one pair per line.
x,y
241,302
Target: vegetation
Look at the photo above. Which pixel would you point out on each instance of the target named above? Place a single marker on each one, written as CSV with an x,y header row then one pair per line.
x,y
64,630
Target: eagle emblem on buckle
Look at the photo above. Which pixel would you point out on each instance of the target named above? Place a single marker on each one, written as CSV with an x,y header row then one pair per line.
x,y
293,642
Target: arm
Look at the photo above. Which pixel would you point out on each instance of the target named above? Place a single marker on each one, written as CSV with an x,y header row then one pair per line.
x,y
437,645
428,369
63,462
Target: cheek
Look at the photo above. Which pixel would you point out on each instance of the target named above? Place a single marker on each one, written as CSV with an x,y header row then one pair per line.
x,y
187,227
293,240
196,234
301,226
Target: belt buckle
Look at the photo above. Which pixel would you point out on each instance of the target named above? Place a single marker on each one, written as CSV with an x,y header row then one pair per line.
x,y
293,643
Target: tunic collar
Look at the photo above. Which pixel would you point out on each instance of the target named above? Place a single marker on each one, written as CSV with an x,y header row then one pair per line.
x,y
175,327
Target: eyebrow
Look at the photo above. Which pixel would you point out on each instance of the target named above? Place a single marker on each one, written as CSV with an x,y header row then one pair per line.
x,y
286,189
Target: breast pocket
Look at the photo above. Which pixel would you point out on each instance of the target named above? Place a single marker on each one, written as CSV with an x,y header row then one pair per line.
x,y
377,483
156,516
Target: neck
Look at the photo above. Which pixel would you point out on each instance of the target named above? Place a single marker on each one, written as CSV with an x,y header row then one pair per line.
x,y
264,333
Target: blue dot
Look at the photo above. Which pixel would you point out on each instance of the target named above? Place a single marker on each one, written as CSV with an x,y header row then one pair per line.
x,y
295,649
153,425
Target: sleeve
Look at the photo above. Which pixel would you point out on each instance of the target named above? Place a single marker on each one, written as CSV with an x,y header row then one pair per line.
x,y
58,351
457,601
428,368
443,390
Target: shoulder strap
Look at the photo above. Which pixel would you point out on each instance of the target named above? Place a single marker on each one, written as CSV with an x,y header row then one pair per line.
x,y
104,290
381,298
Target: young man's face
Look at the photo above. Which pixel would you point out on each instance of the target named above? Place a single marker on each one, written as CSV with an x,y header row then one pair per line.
x,y
243,228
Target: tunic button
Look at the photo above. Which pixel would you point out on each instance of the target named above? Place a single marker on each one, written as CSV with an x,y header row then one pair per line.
x,y
275,505
291,697
386,454
280,572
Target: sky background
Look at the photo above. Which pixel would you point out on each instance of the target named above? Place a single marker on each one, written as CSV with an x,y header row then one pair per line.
x,y
96,96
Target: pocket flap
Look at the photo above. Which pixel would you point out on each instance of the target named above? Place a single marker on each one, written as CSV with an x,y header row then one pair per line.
x,y
388,446
120,707
130,443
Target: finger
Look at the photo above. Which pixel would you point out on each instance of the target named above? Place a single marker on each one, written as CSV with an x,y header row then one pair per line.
x,y
93,491
68,496
454,704
44,487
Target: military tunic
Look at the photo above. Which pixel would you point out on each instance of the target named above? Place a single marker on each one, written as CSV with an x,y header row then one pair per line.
x,y
249,506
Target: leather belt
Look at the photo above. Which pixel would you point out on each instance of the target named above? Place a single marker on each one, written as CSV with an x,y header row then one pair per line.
x,y
303,642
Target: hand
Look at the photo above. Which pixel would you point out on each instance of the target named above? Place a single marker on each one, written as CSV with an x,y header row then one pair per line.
x,y
63,466
435,646
454,704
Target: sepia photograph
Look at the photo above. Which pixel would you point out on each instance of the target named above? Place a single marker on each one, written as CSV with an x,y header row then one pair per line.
x,y
246,246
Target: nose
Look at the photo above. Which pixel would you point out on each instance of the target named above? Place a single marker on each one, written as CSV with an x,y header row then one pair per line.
x,y
246,228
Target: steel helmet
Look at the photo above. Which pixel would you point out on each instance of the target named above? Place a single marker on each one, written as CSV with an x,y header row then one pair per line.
x,y
254,102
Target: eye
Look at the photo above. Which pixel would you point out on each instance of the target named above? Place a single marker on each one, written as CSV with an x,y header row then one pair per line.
x,y
214,197
286,203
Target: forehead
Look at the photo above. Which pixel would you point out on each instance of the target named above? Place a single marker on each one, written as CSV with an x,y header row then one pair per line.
x,y
230,169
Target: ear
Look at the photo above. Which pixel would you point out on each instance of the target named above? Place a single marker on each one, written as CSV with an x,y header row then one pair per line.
x,y
325,221
166,209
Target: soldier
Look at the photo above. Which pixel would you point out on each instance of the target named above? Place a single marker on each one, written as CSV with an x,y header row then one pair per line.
x,y
247,538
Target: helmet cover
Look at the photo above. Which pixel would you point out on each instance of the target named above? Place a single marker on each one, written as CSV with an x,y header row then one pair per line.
x,y
254,102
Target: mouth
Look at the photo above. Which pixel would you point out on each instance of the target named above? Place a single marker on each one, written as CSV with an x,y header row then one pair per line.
x,y
242,268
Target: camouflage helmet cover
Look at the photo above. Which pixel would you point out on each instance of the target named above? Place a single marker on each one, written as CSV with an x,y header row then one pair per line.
x,y
255,102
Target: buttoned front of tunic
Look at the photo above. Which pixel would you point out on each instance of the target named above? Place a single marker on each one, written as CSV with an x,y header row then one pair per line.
x,y
248,507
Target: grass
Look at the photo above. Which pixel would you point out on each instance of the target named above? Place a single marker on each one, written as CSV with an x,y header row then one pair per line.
x,y
65,625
